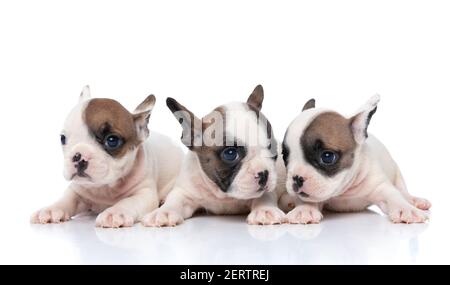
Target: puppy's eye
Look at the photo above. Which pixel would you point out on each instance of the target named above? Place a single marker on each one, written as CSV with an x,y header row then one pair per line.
x,y
113,142
63,139
230,154
328,157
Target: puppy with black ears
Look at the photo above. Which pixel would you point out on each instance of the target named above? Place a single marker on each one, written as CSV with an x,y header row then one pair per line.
x,y
115,166
333,162
231,166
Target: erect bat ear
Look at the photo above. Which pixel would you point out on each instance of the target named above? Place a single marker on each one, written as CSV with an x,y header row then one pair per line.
x,y
146,105
360,122
85,94
141,116
256,98
192,126
309,105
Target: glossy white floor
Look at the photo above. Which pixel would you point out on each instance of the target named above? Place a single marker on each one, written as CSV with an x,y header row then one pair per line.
x,y
363,238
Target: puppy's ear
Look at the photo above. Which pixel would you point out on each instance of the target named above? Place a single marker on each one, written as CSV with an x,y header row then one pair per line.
x,y
85,94
309,105
361,120
256,98
192,126
146,105
141,116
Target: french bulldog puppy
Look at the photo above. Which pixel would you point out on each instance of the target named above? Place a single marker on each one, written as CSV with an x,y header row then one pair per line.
x,y
230,168
113,168
333,162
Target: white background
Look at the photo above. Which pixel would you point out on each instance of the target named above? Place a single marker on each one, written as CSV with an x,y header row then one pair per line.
x,y
206,53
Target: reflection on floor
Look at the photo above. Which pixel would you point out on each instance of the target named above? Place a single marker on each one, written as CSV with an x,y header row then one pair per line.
x,y
361,238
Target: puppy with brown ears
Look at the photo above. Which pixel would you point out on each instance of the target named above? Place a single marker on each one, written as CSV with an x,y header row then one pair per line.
x,y
231,166
115,166
333,162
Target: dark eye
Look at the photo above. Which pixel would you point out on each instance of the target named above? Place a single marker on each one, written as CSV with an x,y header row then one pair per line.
x,y
63,139
328,157
113,142
230,154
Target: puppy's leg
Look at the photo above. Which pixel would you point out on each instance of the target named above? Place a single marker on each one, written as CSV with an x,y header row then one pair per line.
x,y
305,213
174,211
61,211
392,202
418,202
265,211
130,210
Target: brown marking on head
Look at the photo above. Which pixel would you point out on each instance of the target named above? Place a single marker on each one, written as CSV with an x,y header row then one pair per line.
x,y
105,117
222,173
329,132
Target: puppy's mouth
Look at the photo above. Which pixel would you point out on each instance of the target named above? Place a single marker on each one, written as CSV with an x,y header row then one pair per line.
x,y
309,198
81,174
263,189
304,195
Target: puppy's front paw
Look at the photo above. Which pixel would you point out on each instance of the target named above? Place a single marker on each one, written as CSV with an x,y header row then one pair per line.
x,y
421,203
50,215
266,216
162,218
408,215
114,218
304,214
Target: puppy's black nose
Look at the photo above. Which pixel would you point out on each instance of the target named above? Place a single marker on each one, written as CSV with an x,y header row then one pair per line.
x,y
298,183
263,176
76,157
81,166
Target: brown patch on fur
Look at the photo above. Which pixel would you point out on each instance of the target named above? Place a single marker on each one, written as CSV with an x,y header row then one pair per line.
x,y
106,116
219,171
329,131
